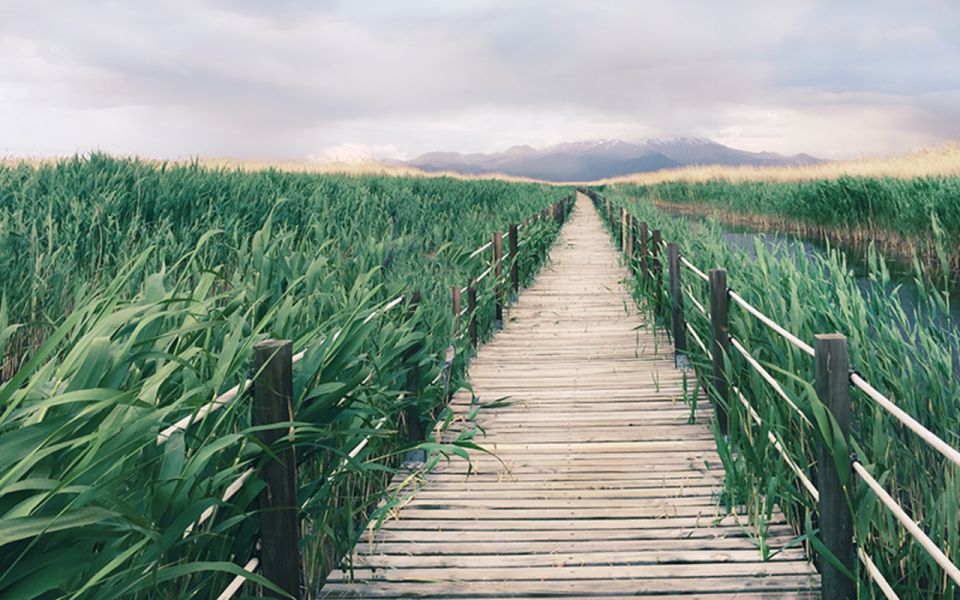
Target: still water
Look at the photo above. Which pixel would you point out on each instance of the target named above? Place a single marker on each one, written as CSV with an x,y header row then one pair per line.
x,y
902,283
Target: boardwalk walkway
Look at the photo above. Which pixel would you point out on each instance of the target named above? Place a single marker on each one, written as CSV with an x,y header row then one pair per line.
x,y
605,490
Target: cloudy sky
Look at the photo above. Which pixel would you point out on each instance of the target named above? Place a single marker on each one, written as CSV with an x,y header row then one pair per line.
x,y
291,79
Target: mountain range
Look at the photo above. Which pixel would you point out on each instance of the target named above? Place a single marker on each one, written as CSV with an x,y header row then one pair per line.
x,y
599,159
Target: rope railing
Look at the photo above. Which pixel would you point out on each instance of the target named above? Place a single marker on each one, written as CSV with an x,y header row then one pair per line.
x,y
700,307
912,424
804,480
768,378
876,575
775,442
807,348
481,249
908,523
228,397
696,271
855,380
484,274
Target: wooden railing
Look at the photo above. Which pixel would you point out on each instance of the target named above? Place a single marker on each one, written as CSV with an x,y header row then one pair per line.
x,y
272,411
833,381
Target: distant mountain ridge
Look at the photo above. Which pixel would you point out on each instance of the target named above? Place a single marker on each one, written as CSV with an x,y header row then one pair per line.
x,y
599,159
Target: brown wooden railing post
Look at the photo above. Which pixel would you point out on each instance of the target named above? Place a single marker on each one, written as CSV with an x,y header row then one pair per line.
x,y
472,312
279,523
657,270
631,240
514,260
720,343
497,272
412,415
455,294
836,521
644,250
676,306
623,231
558,213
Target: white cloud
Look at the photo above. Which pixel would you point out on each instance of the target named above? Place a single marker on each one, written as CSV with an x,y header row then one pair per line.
x,y
280,80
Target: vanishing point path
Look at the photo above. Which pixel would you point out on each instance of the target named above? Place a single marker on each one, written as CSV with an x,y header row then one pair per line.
x,y
605,489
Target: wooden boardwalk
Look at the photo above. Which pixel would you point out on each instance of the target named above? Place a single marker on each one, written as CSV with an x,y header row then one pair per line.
x,y
605,489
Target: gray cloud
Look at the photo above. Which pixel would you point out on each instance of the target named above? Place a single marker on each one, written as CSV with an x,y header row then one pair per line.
x,y
293,78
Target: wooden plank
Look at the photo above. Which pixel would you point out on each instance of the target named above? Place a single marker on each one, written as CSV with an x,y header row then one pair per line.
x,y
604,479
709,585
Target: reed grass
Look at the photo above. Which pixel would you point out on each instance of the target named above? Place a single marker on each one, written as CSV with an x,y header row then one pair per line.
x,y
144,287
905,218
910,353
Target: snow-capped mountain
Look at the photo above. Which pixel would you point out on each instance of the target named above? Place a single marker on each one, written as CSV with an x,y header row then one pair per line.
x,y
598,159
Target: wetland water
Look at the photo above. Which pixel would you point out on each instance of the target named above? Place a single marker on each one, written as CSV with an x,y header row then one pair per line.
x,y
902,283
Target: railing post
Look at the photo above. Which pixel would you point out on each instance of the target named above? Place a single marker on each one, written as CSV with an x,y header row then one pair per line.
x,y
657,269
644,250
836,521
720,343
514,260
497,273
412,415
676,306
623,231
279,523
631,241
558,213
455,293
472,312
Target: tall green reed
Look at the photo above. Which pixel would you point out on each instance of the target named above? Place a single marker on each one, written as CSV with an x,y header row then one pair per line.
x,y
154,284
909,353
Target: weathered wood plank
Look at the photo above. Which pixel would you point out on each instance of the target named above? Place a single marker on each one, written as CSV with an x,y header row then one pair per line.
x,y
604,480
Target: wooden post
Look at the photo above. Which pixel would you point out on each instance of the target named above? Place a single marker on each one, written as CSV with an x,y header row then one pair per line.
x,y
644,250
279,524
623,231
631,240
676,306
415,430
514,260
720,343
657,268
836,521
558,213
472,311
455,293
498,280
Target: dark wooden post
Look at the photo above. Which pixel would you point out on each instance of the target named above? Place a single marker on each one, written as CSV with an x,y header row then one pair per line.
x,y
411,358
497,280
514,260
456,310
279,525
558,213
472,312
631,240
657,269
720,343
623,231
644,250
836,521
676,306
